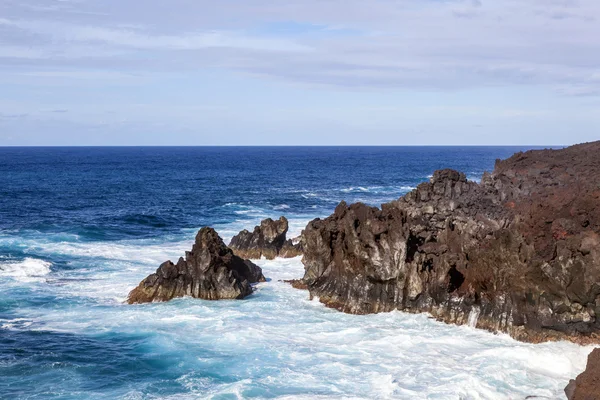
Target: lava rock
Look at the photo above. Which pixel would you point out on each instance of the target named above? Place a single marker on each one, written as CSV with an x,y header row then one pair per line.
x,y
517,253
267,240
210,271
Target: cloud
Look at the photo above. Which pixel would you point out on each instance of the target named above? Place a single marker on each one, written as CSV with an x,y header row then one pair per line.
x,y
432,45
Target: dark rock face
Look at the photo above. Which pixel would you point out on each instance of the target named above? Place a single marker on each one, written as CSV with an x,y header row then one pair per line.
x,y
587,384
210,271
518,253
268,240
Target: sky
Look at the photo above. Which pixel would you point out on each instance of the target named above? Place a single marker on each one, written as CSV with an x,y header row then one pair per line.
x,y
299,72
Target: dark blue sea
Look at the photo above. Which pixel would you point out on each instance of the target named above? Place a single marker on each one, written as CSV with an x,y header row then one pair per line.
x,y
80,227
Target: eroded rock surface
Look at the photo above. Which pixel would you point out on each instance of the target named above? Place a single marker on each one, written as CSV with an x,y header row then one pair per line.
x,y
587,384
210,271
518,253
268,239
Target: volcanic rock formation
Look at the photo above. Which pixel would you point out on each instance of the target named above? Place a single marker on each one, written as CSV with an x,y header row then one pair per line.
x,y
587,384
268,240
518,253
210,271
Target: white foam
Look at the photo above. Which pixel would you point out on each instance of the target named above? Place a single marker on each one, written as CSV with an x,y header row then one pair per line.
x,y
474,317
407,188
30,269
356,189
15,323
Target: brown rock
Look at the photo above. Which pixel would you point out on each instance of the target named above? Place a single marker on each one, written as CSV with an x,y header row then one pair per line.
x,y
268,240
517,253
587,384
210,271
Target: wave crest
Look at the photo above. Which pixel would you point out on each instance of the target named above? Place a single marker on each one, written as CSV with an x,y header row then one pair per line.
x,y
29,269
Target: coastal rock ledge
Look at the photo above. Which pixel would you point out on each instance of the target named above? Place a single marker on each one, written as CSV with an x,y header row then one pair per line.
x,y
518,253
210,271
266,240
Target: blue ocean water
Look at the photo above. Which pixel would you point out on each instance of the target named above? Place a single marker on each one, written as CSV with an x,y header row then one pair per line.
x,y
80,227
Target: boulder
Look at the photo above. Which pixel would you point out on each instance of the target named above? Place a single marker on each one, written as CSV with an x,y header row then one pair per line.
x,y
518,253
266,240
587,385
210,271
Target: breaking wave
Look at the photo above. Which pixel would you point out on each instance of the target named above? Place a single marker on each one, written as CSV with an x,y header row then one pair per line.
x,y
29,269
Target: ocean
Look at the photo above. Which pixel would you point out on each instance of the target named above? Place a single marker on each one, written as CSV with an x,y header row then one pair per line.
x,y
80,227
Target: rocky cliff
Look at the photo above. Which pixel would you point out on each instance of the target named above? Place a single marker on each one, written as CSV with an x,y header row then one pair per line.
x,y
267,239
518,253
210,271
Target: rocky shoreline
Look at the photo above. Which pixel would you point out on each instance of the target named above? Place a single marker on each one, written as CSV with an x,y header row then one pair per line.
x,y
517,253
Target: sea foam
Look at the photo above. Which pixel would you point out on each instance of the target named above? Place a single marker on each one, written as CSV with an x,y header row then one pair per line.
x,y
27,270
280,344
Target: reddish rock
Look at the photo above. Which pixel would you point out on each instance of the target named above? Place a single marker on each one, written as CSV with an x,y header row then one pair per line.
x,y
587,384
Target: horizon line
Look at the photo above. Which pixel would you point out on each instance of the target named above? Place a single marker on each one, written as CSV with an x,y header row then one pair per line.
x,y
290,146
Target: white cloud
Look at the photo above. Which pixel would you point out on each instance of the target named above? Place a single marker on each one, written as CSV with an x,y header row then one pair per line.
x,y
380,43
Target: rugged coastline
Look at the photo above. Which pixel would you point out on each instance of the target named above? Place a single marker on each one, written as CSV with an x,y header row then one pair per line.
x,y
517,253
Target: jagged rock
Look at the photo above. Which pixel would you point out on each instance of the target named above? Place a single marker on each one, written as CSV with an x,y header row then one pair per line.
x,y
518,253
210,271
587,384
268,240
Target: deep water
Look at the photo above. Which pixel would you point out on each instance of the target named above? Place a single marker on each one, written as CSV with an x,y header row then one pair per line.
x,y
80,227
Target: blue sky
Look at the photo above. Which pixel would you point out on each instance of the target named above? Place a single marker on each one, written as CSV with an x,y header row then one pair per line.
x,y
299,72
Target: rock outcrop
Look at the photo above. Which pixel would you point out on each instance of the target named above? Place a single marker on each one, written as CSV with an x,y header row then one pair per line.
x,y
518,253
267,240
587,384
210,271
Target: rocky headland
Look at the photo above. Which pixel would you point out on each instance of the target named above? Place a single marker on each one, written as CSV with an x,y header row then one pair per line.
x,y
266,240
517,253
210,271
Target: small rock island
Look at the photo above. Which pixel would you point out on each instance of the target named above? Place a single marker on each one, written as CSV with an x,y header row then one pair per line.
x,y
210,271
267,240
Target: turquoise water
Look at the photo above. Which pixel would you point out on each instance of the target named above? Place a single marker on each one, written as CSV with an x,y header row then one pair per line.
x,y
79,228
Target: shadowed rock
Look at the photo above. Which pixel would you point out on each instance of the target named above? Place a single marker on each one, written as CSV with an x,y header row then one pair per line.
x,y
518,253
210,271
268,240
587,384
